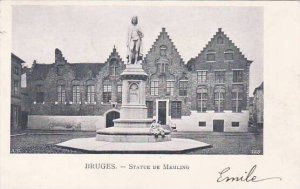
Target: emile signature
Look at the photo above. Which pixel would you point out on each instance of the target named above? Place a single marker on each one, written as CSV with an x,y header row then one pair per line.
x,y
246,177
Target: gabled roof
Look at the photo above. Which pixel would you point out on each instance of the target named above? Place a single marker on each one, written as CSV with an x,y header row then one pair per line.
x,y
217,34
162,34
18,60
114,54
260,87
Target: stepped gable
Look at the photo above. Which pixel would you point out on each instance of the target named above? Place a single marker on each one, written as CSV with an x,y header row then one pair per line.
x,y
213,40
114,54
162,36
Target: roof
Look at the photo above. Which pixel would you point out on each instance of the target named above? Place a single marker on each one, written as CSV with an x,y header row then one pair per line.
x,y
18,60
260,87
40,71
220,32
84,69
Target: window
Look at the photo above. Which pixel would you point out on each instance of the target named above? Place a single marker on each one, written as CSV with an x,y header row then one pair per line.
x,y
219,76
201,101
90,94
202,76
183,88
220,40
154,88
235,124
237,100
16,70
202,124
61,94
229,54
175,109
170,88
219,101
149,105
119,95
162,67
237,76
76,94
106,93
113,70
39,94
211,55
113,67
163,50
16,90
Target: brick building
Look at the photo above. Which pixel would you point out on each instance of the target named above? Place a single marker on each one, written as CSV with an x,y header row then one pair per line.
x,y
258,106
16,96
209,93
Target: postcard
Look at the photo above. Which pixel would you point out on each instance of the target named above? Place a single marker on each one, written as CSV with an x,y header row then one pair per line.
x,y
140,94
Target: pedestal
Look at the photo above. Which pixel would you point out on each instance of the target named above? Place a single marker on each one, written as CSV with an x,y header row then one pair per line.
x,y
133,124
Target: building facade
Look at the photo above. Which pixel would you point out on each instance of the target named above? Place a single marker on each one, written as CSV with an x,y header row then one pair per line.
x,y
16,95
258,106
209,93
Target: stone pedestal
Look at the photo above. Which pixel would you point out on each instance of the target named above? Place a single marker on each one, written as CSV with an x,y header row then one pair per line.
x,y
133,124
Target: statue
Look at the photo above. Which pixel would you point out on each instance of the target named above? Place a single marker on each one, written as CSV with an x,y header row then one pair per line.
x,y
134,42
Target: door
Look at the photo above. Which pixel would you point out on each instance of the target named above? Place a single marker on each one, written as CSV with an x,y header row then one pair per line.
x,y
162,112
24,120
218,125
110,117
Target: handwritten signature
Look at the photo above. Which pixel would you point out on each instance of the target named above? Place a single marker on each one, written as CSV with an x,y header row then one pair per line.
x,y
247,177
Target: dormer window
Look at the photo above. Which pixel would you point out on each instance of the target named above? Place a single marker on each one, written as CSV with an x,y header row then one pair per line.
x,y
220,40
163,50
228,54
113,68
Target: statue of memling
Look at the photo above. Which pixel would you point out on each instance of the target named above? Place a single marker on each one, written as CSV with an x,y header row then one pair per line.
x,y
134,42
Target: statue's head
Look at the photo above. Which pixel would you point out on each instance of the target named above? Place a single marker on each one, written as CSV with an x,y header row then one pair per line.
x,y
134,20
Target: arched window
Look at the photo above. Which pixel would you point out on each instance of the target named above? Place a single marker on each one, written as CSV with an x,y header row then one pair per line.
x,y
90,92
228,54
211,55
219,98
76,94
61,91
201,99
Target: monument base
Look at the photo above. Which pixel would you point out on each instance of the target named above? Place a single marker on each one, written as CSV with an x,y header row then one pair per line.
x,y
115,134
176,145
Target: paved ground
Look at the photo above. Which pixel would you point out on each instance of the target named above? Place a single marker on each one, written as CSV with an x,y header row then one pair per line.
x,y
33,141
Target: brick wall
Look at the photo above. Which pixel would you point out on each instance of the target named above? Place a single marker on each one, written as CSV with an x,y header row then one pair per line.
x,y
175,70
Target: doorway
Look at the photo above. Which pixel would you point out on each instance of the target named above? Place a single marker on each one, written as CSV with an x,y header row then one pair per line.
x,y
110,117
218,125
162,112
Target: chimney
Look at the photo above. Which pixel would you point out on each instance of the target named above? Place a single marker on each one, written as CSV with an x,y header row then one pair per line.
x,y
163,29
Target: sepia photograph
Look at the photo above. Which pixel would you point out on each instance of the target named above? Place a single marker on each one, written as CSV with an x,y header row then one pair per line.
x,y
100,79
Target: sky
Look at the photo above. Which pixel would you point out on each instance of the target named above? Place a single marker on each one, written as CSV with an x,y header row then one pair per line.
x,y
87,34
